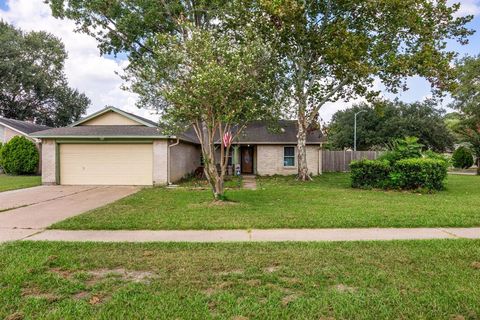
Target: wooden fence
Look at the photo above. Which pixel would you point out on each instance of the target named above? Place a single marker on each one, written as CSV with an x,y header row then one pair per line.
x,y
339,161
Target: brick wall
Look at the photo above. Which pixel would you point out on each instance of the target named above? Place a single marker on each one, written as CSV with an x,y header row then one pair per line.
x,y
160,162
185,158
270,160
49,162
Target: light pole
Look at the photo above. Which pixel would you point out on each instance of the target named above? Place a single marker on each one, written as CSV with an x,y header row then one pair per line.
x,y
355,130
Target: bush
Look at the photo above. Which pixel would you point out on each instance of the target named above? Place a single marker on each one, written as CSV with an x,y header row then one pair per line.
x,y
369,173
402,149
429,154
419,174
408,174
462,158
390,156
19,156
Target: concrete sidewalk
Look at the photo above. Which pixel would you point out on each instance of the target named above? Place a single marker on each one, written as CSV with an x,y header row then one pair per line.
x,y
274,235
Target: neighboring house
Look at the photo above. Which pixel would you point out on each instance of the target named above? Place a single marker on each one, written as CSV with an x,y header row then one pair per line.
x,y
10,128
114,147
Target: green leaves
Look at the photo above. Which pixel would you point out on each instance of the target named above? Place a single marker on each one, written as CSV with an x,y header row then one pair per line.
x,y
467,91
354,41
462,158
207,76
405,174
19,156
386,120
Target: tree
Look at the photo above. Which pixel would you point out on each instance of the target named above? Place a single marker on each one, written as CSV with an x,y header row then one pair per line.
x,y
384,121
452,121
334,50
467,100
186,62
33,85
211,82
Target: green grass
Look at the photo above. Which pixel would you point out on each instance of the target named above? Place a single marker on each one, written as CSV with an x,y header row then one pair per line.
x,y
282,202
8,182
435,279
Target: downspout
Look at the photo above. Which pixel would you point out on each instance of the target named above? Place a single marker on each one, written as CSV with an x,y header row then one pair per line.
x,y
170,161
320,159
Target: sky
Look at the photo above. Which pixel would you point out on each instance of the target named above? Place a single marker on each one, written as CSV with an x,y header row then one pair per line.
x,y
95,75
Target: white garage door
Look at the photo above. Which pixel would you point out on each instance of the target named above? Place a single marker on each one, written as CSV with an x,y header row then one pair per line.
x,y
106,164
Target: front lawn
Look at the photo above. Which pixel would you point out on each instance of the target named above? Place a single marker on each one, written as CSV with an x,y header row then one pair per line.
x,y
8,182
435,279
282,202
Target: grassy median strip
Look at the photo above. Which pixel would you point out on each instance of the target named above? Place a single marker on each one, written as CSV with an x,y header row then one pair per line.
x,y
8,182
282,202
435,279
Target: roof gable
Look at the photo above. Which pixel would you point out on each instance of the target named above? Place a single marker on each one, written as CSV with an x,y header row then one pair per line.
x,y
113,116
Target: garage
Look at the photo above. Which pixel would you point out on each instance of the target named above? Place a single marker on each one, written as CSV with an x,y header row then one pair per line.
x,y
106,164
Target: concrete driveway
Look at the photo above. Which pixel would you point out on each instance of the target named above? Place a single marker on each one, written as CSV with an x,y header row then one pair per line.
x,y
28,211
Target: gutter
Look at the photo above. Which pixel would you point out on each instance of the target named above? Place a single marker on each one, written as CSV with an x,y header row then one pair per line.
x,y
99,137
169,182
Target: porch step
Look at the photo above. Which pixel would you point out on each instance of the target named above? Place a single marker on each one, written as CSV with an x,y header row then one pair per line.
x,y
249,182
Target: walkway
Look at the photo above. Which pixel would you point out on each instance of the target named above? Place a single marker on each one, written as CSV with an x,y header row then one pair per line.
x,y
257,235
249,182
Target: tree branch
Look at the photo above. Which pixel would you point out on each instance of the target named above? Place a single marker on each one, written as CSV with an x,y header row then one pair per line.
x,y
315,110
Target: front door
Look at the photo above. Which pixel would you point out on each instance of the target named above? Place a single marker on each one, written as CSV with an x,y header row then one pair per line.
x,y
247,160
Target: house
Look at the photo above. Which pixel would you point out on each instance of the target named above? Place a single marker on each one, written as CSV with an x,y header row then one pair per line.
x,y
114,147
10,128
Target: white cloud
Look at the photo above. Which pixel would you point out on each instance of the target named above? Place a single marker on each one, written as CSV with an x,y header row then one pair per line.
x,y
86,70
467,7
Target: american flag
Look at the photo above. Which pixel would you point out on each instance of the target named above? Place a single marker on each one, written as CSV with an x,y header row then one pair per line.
x,y
227,139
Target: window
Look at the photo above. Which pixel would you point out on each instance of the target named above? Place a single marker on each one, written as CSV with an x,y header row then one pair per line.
x,y
289,156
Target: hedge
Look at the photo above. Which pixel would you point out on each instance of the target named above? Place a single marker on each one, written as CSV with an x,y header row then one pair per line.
x,y
414,173
370,173
419,174
19,156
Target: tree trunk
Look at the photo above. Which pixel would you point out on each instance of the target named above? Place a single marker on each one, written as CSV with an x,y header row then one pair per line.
x,y
213,177
302,149
478,166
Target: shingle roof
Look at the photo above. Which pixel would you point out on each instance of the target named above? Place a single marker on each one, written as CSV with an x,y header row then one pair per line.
x,y
23,126
285,132
107,131
142,118
255,133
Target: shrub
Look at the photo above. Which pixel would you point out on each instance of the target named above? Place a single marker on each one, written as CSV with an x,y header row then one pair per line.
x,y
429,154
462,158
369,173
390,156
408,147
419,174
19,156
402,149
